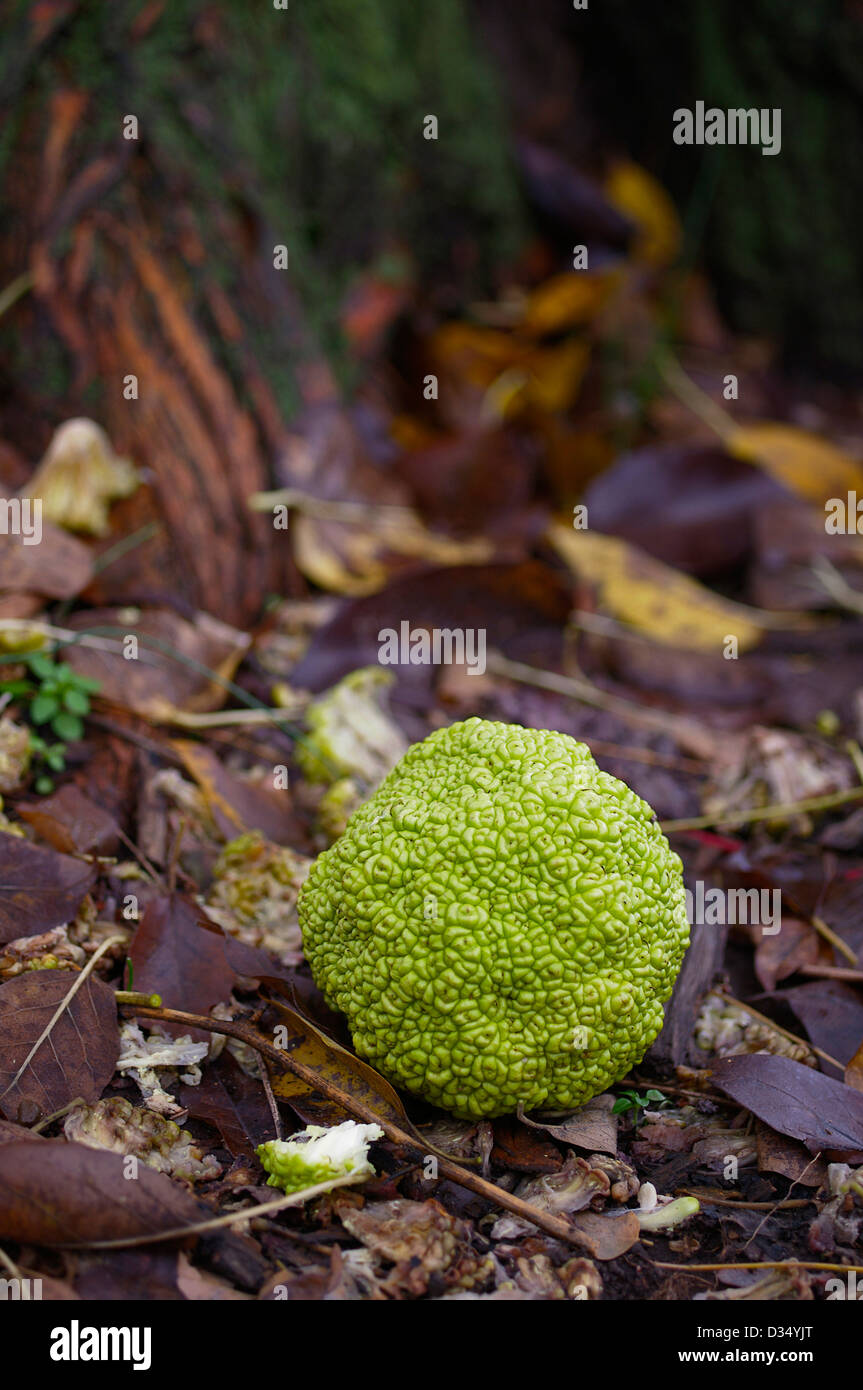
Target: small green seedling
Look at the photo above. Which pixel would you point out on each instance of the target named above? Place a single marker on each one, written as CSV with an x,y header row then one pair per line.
x,y
56,700
631,1103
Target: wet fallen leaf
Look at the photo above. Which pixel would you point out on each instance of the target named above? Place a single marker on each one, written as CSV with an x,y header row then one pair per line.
x,y
177,958
515,372
519,1151
522,609
831,1012
795,1100
234,1102
779,1154
121,1275
54,1193
781,954
692,507
78,1056
11,1133
358,558
39,888
479,481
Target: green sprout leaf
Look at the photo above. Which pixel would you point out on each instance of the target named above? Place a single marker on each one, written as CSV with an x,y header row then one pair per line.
x,y
76,701
43,708
67,726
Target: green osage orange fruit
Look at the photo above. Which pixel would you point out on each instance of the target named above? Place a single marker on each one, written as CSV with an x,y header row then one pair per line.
x,y
501,922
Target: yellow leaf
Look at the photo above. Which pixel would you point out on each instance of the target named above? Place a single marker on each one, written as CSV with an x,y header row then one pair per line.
x,y
556,373
641,198
803,462
567,301
475,354
647,594
513,371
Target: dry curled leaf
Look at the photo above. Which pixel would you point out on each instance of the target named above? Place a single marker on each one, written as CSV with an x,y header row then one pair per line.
x,y
354,1077
80,476
593,1127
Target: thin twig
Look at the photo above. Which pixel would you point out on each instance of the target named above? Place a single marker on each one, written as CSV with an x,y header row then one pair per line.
x,y
15,290
141,857
855,753
777,1205
763,1264
831,972
694,398
700,741
271,1100
783,810
190,719
356,513
742,1206
9,1264
836,587
834,940
57,1114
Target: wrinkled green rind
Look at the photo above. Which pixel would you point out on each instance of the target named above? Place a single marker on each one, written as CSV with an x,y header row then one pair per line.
x,y
500,923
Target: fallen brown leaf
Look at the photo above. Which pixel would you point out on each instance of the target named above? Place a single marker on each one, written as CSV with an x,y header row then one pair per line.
x,y
54,1193
78,1056
795,1100
39,889
71,822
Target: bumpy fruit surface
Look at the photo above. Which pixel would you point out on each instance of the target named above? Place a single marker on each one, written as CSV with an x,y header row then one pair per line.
x,y
500,922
